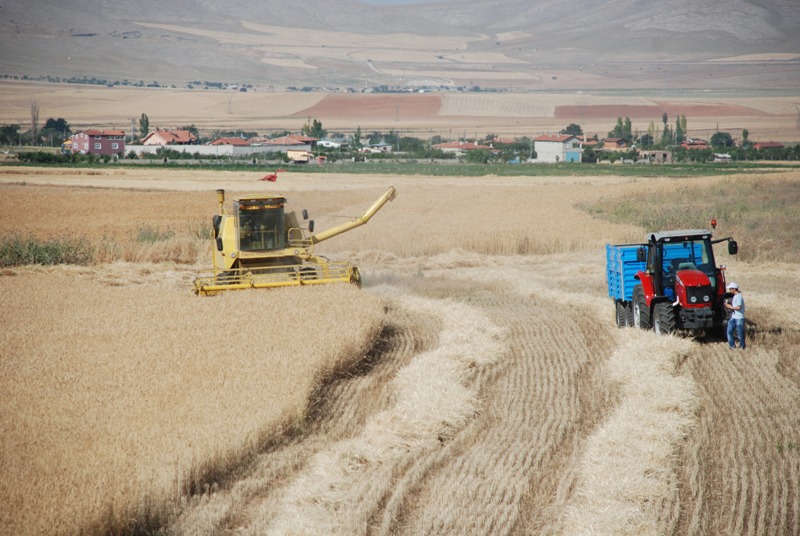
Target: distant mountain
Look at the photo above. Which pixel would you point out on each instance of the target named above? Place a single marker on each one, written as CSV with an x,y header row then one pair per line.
x,y
491,43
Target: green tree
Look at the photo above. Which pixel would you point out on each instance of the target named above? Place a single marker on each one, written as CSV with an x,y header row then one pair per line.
x,y
746,138
646,141
9,134
573,130
357,139
56,130
627,128
314,130
478,156
144,125
680,135
721,139
618,129
193,129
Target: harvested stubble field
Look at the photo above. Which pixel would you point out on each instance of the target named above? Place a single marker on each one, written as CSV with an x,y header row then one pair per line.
x,y
475,385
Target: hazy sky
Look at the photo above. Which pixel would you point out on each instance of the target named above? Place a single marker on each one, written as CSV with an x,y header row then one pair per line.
x,y
394,2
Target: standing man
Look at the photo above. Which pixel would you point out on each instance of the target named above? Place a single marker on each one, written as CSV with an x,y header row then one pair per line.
x,y
736,322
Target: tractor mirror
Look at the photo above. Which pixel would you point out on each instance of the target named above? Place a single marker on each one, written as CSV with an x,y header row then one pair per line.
x,y
219,243
733,247
641,254
311,226
305,214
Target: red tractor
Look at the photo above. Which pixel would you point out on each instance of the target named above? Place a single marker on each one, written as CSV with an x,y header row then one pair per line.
x,y
671,282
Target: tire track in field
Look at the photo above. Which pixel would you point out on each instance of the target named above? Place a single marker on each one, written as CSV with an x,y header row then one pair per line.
x,y
742,465
338,412
502,474
433,397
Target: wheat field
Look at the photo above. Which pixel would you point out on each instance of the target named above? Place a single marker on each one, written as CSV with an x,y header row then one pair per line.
x,y
476,384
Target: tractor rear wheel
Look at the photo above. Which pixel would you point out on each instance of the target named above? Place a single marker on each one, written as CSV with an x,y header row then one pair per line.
x,y
664,315
641,313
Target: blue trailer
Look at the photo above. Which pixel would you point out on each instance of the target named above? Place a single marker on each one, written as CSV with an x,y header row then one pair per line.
x,y
621,269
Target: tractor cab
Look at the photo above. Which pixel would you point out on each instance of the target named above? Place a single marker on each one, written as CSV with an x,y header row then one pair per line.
x,y
684,258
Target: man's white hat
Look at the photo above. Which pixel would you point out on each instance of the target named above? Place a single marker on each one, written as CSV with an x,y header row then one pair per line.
x,y
733,285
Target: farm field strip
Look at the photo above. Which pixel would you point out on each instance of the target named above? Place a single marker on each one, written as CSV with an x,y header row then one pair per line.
x,y
750,483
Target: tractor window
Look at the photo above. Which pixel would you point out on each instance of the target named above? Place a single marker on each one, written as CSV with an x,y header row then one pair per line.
x,y
261,228
688,255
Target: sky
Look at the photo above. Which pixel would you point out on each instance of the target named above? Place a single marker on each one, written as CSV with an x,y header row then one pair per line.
x,y
397,2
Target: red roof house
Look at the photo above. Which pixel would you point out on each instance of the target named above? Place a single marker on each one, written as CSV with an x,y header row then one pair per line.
x,y
695,144
104,142
460,147
768,145
238,142
170,137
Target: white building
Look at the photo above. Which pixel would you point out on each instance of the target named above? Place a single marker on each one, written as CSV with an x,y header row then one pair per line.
x,y
557,148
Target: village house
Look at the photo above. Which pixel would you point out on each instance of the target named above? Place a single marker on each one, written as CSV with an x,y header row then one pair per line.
x,y
308,140
235,141
552,148
768,145
586,142
461,147
102,142
693,143
169,137
655,156
615,144
286,141
380,147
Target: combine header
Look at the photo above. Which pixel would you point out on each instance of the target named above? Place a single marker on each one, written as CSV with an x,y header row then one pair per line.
x,y
259,245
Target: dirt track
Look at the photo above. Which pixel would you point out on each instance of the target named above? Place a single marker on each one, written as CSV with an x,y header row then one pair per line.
x,y
501,399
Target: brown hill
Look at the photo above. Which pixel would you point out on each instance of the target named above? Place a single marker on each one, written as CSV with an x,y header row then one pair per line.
x,y
516,45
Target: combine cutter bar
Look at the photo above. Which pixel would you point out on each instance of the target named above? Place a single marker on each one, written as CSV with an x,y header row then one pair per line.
x,y
286,276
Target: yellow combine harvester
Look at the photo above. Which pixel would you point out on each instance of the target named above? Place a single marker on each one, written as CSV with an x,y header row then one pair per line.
x,y
259,245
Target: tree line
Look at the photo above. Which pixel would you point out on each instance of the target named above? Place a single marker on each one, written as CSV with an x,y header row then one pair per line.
x,y
665,136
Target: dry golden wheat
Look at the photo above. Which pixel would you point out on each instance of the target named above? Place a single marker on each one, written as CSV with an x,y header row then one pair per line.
x,y
571,427
117,398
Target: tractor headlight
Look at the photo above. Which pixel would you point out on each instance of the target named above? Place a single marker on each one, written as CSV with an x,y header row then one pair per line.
x,y
693,299
706,298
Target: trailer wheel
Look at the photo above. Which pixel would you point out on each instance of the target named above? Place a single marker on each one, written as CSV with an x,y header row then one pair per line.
x,y
641,314
664,318
629,314
619,309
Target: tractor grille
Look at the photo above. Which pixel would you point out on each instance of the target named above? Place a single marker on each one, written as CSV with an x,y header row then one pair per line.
x,y
699,296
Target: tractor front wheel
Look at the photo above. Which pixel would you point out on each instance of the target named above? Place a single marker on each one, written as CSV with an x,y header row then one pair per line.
x,y
641,313
664,318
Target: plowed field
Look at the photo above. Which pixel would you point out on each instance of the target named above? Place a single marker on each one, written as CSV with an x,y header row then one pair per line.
x,y
486,391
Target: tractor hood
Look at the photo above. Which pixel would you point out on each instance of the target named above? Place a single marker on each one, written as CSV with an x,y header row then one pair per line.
x,y
692,278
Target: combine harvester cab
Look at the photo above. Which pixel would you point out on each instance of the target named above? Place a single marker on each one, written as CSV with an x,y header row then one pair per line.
x,y
257,244
670,282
